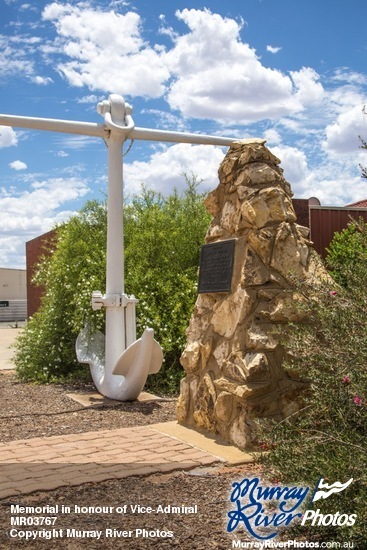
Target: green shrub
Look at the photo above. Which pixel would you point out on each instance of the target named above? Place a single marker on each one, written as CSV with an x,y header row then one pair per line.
x,y
163,236
45,350
346,251
328,438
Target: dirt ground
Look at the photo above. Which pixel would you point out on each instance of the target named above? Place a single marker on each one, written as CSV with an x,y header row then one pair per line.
x,y
30,411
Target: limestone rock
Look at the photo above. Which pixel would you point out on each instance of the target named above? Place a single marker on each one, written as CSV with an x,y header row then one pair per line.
x,y
234,355
269,206
287,253
204,403
262,242
254,271
231,312
223,406
183,400
257,368
190,357
239,432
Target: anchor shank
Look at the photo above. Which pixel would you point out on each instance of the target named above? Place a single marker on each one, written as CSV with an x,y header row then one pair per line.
x,y
115,316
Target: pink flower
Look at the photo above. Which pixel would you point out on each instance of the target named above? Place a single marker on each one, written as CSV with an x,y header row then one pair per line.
x,y
333,292
346,379
358,401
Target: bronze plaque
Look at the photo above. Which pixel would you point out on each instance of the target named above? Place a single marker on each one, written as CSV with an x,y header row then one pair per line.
x,y
216,267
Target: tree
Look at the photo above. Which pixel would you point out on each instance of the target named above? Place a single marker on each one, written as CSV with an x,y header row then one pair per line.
x,y
363,146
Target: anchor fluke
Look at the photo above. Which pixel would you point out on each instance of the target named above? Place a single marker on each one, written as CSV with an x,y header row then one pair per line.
x,y
90,347
129,374
145,354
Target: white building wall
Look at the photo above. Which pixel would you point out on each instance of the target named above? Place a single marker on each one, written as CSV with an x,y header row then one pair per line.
x,y
13,284
13,295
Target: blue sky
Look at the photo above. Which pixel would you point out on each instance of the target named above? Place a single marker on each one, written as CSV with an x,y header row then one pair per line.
x,y
292,71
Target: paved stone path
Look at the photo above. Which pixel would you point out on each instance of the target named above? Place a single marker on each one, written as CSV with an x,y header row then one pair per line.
x,y
45,463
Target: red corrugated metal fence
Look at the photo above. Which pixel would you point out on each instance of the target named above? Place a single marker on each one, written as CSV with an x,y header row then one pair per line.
x,y
326,220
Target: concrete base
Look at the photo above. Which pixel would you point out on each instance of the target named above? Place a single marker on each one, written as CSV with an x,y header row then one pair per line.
x,y
211,444
91,399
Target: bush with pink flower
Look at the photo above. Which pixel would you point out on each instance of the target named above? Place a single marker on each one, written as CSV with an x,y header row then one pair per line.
x,y
328,438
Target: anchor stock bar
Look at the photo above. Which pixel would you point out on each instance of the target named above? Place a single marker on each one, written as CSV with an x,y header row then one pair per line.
x,y
55,125
101,130
179,137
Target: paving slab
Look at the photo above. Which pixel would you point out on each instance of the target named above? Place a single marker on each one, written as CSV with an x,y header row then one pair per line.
x,y
95,398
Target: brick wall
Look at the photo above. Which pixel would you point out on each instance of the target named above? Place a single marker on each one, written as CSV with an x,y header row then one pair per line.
x,y
35,249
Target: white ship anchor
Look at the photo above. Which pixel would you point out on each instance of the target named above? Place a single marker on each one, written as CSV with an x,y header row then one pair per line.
x,y
119,362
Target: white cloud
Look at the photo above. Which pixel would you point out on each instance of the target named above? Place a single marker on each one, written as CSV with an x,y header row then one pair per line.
x,y
164,171
167,120
107,51
18,165
7,136
29,213
335,182
42,80
217,76
273,49
16,56
118,3
167,29
308,89
342,135
294,164
339,190
272,136
92,98
344,74
77,142
208,73
12,252
38,203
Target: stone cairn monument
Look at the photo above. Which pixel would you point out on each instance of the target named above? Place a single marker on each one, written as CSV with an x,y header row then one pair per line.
x,y
233,357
